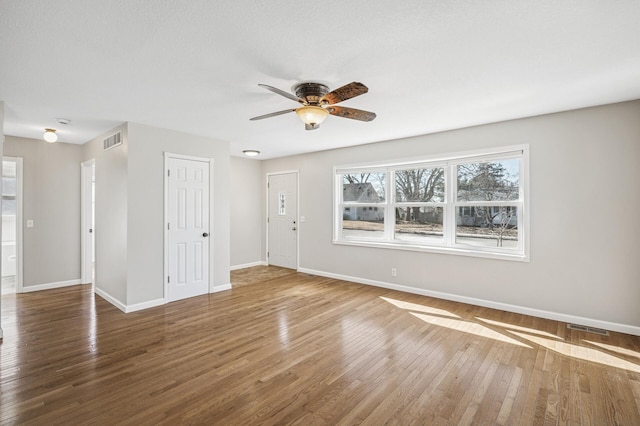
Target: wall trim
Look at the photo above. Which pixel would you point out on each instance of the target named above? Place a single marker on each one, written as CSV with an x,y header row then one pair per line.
x,y
248,265
218,288
109,298
145,305
49,286
557,316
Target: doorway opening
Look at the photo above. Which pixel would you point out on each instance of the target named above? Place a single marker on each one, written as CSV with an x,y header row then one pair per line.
x,y
11,225
87,221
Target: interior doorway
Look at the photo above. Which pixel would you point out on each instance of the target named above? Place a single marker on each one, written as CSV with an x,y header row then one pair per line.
x,y
87,221
11,225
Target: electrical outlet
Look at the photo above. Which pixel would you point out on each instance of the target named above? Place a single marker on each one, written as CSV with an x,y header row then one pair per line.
x,y
394,272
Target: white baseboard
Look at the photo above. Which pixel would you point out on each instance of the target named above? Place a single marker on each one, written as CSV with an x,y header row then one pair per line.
x,y
145,305
248,265
612,326
109,298
49,286
128,308
222,287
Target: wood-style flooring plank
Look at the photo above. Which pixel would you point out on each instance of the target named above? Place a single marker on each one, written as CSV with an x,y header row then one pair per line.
x,y
288,348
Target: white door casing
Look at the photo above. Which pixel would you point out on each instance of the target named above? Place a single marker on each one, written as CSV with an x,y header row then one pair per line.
x,y
282,220
18,253
187,209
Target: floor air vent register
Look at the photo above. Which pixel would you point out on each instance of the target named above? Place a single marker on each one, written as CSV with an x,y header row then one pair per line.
x,y
588,329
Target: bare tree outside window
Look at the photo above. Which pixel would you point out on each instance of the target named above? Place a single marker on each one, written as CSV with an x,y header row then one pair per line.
x,y
482,182
420,185
414,188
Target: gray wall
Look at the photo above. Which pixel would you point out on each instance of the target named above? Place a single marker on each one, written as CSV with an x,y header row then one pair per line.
x,y
1,154
146,206
111,214
130,210
51,198
247,188
584,198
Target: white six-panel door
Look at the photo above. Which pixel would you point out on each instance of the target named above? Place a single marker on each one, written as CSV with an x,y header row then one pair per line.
x,y
282,227
188,228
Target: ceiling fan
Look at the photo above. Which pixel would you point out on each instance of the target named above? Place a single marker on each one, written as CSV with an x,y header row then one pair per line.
x,y
318,102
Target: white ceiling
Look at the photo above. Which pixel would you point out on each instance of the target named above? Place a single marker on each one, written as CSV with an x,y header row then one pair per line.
x,y
194,65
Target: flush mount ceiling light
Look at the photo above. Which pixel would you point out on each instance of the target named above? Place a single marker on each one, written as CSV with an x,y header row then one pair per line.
x,y
50,135
251,152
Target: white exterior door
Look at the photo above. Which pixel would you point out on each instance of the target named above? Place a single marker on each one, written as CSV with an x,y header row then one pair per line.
x,y
283,220
188,228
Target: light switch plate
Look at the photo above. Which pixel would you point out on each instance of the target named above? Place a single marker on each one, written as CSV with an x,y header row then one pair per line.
x,y
30,223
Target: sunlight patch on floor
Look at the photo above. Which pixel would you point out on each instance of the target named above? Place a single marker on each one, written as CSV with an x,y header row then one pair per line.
x,y
418,308
580,352
517,327
469,327
612,348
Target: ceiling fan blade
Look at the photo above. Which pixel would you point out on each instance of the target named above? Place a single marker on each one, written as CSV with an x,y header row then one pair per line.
x,y
343,93
273,114
355,114
282,93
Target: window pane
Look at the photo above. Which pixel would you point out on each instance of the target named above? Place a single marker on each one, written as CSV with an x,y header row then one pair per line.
x,y
483,226
8,206
363,188
490,181
419,224
363,222
8,186
420,185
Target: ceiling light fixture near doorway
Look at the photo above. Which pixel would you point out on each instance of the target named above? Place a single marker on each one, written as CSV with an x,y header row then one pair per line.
x,y
50,135
251,152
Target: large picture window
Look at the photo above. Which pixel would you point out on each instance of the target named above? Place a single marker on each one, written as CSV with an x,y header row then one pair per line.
x,y
471,203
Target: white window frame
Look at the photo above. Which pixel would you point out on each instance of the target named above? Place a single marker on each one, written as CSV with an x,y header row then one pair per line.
x,y
450,204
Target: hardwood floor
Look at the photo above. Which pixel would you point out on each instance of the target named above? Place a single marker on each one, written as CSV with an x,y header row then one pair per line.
x,y
289,348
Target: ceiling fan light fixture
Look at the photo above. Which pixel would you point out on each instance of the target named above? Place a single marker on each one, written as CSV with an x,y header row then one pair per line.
x,y
50,135
312,115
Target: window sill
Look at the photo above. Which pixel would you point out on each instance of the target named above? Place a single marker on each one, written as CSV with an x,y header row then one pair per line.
x,y
517,257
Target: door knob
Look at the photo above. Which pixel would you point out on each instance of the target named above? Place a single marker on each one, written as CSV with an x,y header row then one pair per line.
x,y
294,228
205,235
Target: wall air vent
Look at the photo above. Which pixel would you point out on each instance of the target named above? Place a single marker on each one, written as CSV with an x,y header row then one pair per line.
x,y
588,329
112,141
